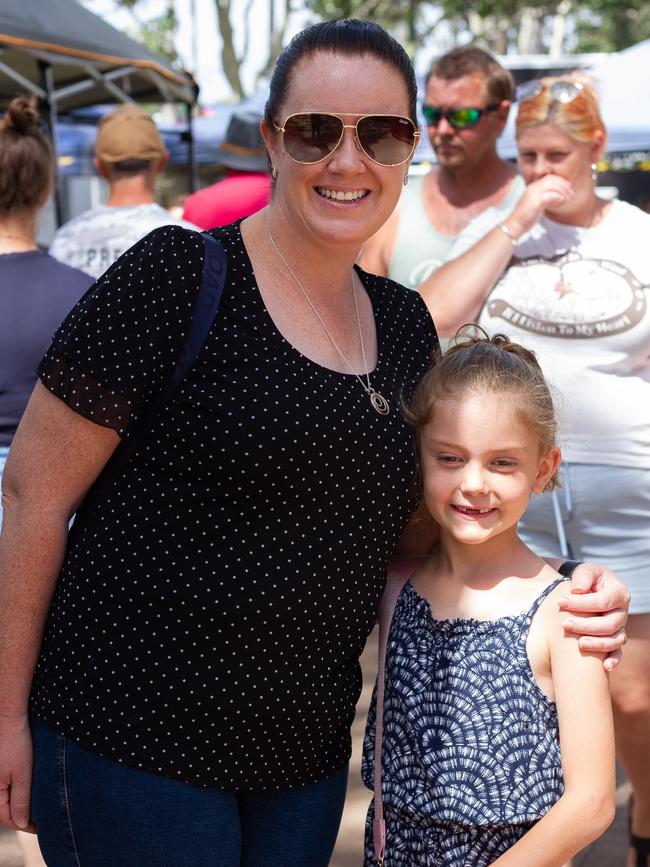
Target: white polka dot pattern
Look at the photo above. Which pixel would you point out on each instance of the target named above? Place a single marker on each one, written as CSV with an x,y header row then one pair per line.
x,y
208,620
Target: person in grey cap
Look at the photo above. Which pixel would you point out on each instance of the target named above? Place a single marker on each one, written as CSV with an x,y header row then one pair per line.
x,y
129,154
246,188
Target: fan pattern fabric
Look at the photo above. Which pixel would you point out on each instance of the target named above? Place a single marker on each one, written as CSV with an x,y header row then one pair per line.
x,y
471,755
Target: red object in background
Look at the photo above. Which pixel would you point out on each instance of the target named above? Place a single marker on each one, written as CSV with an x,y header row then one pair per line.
x,y
240,194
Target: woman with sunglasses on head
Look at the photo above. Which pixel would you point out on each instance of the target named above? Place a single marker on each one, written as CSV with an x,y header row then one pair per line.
x,y
209,616
567,274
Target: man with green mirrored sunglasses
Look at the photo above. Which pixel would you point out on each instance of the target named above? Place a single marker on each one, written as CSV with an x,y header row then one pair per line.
x,y
465,108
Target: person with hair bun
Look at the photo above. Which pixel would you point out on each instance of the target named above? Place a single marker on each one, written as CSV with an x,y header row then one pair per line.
x,y
568,274
498,744
36,291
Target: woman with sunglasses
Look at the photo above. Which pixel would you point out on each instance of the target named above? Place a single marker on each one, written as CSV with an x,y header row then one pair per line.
x,y
567,274
200,665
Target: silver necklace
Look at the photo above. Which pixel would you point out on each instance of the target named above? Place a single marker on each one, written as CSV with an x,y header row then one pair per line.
x,y
377,400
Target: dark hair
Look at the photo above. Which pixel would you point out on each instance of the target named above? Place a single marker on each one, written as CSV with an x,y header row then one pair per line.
x,y
346,36
26,163
469,60
495,365
130,168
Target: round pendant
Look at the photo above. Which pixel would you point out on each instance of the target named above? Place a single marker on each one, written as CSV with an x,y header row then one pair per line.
x,y
379,402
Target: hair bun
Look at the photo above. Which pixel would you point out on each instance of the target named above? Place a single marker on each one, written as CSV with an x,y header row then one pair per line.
x,y
21,115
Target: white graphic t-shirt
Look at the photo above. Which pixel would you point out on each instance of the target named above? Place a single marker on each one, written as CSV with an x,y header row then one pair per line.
x,y
96,238
580,299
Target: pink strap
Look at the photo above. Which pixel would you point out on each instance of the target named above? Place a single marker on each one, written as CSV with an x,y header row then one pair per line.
x,y
399,571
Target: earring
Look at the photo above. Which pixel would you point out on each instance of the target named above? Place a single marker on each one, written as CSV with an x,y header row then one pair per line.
x,y
594,172
274,172
406,179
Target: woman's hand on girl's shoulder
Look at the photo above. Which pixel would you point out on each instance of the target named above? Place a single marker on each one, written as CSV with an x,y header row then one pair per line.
x,y
600,603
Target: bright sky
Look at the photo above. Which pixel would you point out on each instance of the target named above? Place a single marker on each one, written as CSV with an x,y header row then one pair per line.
x,y
199,46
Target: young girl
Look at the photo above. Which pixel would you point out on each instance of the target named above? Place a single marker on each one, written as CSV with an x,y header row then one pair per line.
x,y
498,741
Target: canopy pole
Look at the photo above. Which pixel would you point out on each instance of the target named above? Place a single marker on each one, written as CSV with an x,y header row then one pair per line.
x,y
191,152
47,83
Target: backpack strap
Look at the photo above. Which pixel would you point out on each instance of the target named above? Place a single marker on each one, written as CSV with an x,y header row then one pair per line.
x,y
206,306
399,571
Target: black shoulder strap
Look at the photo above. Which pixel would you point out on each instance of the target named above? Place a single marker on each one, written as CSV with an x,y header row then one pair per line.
x,y
568,567
206,307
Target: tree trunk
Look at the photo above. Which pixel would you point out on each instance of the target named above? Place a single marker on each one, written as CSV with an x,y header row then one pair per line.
x,y
559,28
529,36
276,43
230,62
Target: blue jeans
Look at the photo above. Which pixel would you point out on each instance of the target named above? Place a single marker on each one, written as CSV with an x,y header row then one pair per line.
x,y
91,811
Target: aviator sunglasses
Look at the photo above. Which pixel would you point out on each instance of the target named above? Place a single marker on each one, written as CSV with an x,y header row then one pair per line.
x,y
387,139
560,91
459,118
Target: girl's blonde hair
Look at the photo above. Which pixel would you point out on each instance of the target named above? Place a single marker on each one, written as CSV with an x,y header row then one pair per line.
x,y
580,118
496,365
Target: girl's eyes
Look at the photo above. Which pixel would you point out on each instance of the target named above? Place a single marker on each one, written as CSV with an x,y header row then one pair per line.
x,y
499,463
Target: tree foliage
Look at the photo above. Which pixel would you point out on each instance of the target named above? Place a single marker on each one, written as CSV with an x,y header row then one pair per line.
x,y
609,25
157,34
524,26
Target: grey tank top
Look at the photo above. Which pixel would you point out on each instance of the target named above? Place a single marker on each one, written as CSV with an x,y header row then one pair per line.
x,y
419,248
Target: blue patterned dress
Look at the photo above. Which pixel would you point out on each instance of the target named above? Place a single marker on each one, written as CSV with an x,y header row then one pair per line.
x,y
471,754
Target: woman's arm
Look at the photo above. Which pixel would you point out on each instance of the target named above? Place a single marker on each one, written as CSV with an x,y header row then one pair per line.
x,y
455,292
55,457
586,808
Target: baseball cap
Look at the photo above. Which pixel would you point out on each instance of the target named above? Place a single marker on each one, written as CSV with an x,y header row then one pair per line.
x,y
128,133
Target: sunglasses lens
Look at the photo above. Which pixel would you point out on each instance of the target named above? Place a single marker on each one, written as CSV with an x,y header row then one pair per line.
x,y
459,118
431,115
529,90
462,118
309,138
565,91
387,140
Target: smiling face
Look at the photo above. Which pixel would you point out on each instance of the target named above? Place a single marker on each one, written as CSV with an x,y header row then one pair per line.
x,y
457,149
346,197
479,467
546,149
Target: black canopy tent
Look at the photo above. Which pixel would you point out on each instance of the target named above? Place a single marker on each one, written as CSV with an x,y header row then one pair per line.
x,y
68,57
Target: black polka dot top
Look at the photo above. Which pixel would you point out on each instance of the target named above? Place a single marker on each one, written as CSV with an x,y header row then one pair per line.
x,y
208,620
